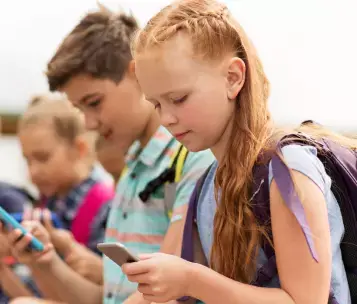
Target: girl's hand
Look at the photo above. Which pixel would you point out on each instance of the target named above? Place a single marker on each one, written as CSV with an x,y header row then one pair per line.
x,y
4,243
161,277
19,244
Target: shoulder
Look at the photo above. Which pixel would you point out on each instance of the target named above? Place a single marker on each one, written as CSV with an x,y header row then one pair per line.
x,y
304,160
197,163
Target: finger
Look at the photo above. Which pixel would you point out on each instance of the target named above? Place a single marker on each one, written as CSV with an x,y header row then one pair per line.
x,y
46,249
146,256
136,268
145,289
2,227
37,214
14,236
140,278
27,214
47,220
30,226
23,243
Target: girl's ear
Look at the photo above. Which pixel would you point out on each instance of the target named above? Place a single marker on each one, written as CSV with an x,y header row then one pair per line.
x,y
236,70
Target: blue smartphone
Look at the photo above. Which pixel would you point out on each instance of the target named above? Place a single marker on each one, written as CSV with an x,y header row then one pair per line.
x,y
9,220
54,218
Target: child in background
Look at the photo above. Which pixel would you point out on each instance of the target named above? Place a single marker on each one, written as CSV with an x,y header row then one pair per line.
x,y
218,96
12,200
60,160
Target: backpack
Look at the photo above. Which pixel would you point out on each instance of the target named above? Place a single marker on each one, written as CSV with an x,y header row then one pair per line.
x,y
341,165
14,199
170,175
99,194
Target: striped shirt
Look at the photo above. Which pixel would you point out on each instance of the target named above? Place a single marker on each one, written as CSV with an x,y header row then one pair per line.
x,y
141,227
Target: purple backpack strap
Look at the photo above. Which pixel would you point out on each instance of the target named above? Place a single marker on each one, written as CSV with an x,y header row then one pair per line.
x,y
187,251
285,184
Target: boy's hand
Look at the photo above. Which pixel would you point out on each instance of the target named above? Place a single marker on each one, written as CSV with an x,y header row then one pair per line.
x,y
19,244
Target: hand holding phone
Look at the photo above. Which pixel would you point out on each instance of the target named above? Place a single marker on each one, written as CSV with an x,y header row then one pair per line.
x,y
118,253
8,220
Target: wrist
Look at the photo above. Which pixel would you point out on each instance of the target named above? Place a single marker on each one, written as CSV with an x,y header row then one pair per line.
x,y
192,276
47,266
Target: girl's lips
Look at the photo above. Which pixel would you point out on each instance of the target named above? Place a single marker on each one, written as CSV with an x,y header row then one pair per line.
x,y
180,136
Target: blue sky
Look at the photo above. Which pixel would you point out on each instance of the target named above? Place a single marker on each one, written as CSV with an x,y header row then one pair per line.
x,y
308,48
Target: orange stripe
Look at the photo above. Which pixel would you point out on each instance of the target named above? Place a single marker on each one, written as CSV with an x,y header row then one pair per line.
x,y
170,152
134,237
161,135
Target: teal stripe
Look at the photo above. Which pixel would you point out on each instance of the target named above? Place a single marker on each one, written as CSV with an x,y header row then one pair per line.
x,y
141,223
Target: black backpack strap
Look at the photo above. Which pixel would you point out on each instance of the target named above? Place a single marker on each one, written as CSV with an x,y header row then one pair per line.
x,y
168,175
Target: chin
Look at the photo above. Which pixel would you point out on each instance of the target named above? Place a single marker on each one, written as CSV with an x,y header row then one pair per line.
x,y
195,147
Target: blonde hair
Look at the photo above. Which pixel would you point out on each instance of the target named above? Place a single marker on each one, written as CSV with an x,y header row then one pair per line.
x,y
68,122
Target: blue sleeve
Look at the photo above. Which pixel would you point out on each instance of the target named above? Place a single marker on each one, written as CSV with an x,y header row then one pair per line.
x,y
12,201
195,165
304,160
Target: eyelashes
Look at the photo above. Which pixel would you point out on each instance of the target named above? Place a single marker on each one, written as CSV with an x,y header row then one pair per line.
x,y
174,101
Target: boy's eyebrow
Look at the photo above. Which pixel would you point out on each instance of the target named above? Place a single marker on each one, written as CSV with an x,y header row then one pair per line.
x,y
85,98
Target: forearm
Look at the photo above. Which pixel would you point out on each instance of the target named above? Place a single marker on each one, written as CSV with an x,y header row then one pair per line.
x,y
68,285
11,283
211,288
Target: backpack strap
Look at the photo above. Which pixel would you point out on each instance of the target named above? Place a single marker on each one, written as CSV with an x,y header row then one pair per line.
x,y
285,184
189,242
286,187
96,197
171,175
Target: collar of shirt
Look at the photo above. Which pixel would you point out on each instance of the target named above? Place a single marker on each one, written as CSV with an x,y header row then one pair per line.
x,y
157,145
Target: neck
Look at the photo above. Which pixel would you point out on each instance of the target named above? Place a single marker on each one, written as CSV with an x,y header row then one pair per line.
x,y
150,129
80,175
219,150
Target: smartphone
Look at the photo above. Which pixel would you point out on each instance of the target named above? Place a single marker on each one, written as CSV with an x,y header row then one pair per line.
x,y
9,220
118,253
54,218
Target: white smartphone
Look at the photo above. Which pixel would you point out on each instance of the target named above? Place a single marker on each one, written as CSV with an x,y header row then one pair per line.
x,y
118,253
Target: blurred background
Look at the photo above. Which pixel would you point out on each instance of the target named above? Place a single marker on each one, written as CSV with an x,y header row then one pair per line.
x,y
308,48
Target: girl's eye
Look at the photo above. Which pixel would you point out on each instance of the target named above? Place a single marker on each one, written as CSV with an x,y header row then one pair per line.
x,y
157,106
94,103
180,100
